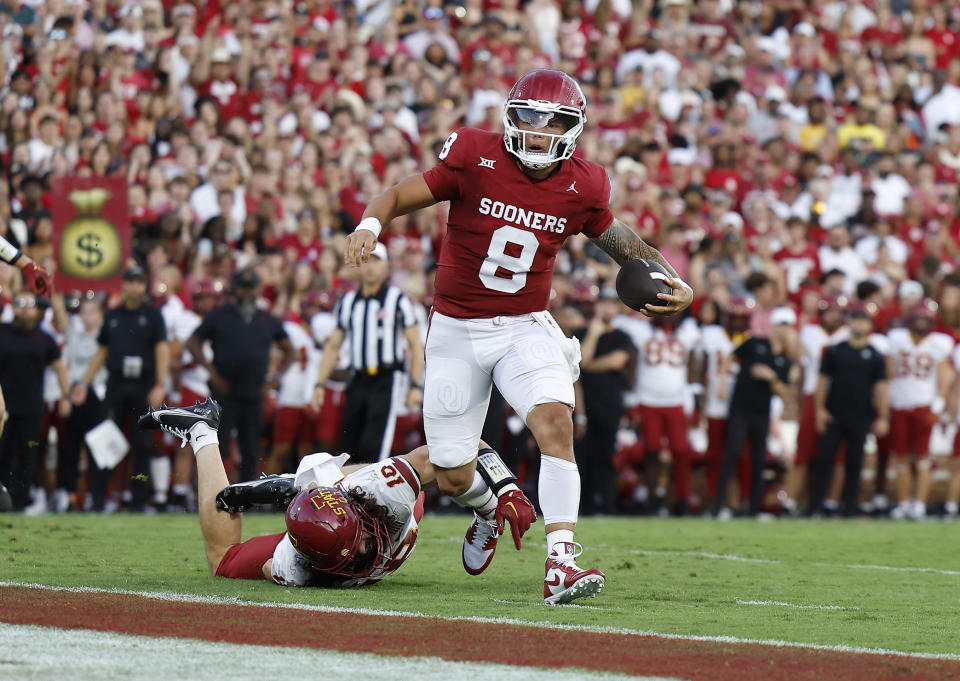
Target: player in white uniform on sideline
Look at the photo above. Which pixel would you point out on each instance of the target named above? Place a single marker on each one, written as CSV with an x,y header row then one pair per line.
x,y
347,526
660,395
717,343
918,366
294,420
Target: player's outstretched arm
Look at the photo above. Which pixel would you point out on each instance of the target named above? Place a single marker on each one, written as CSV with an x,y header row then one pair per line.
x,y
36,278
622,244
407,196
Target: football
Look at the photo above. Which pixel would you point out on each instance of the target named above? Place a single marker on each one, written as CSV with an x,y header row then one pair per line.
x,y
639,282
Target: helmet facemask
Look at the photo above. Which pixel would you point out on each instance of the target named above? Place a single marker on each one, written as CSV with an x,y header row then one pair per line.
x,y
539,115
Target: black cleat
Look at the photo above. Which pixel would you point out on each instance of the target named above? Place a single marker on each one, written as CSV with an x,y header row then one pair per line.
x,y
269,489
179,420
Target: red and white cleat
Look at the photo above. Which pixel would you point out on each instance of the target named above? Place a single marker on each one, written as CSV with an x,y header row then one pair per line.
x,y
479,544
564,580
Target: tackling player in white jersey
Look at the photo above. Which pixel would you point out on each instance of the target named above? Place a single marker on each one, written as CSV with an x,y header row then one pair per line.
x,y
920,376
345,527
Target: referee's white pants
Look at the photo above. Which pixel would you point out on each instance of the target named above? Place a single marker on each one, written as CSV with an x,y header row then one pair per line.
x,y
465,356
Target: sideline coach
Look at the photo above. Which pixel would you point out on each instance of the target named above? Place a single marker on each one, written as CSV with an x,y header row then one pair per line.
x,y
241,336
851,397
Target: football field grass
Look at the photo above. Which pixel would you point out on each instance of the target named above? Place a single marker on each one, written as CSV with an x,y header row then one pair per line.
x,y
874,584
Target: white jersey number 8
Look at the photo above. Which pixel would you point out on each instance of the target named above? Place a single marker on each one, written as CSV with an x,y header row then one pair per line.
x,y
497,258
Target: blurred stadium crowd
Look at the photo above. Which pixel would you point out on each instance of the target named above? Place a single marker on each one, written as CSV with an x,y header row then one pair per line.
x,y
788,152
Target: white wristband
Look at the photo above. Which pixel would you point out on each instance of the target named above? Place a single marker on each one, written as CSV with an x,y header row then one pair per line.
x,y
937,405
370,224
8,252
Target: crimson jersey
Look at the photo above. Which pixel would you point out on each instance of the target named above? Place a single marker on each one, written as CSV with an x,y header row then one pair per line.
x,y
505,228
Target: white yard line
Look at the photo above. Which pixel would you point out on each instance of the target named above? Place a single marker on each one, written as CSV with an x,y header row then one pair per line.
x,y
541,604
783,604
196,598
704,554
31,652
768,561
893,568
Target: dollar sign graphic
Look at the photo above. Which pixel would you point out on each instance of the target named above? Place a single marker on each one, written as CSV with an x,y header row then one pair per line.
x,y
90,245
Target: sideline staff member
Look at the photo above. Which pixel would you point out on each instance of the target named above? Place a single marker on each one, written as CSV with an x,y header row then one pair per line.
x,y
851,396
133,344
373,319
240,336
25,353
764,372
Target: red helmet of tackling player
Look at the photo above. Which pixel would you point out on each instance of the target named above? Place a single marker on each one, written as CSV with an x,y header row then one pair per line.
x,y
540,98
333,533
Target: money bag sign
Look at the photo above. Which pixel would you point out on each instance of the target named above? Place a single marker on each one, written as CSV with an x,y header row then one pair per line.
x,y
91,232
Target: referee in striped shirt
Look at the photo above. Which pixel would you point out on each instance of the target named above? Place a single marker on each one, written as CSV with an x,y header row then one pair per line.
x,y
375,322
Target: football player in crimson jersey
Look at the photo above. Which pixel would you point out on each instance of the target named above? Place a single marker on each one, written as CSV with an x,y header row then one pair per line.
x,y
36,278
514,200
918,364
348,526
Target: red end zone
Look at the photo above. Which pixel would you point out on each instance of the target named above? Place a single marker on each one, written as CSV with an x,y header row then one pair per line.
x,y
457,640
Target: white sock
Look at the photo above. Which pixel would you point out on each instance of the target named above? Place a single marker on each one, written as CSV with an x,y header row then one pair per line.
x,y
478,497
559,490
202,435
558,537
160,469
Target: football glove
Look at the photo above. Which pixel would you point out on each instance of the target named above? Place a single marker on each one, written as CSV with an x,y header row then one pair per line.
x,y
514,506
37,279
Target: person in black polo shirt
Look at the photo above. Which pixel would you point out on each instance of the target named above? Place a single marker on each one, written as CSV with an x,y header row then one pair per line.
x,y
241,336
851,397
376,320
606,352
133,345
764,372
25,352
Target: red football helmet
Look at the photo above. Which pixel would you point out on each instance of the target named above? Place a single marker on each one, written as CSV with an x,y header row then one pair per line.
x,y
335,534
539,98
736,318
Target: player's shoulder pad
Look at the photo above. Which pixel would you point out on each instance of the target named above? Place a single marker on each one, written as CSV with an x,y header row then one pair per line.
x,y
464,147
593,178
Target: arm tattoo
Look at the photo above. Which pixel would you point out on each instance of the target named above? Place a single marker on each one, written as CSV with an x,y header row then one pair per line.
x,y
622,244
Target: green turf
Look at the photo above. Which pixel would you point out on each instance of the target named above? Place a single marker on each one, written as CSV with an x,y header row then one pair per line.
x,y
651,583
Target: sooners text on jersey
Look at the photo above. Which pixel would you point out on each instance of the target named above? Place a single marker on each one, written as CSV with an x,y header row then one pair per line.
x,y
505,228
